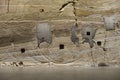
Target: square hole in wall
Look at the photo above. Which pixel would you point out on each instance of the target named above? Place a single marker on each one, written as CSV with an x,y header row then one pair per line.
x,y
99,43
88,33
61,46
22,50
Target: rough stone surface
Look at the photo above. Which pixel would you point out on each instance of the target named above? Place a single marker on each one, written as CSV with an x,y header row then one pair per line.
x,y
18,30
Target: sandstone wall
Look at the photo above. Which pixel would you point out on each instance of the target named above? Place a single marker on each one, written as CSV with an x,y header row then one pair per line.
x,y
18,30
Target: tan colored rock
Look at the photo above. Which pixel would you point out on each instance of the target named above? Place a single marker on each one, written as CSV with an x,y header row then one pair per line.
x,y
19,27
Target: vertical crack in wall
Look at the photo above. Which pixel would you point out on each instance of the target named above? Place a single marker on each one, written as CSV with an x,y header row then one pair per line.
x,y
8,6
73,2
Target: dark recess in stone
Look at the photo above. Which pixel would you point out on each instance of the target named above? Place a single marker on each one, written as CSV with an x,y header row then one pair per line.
x,y
88,33
20,63
102,64
22,50
42,10
99,43
61,46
